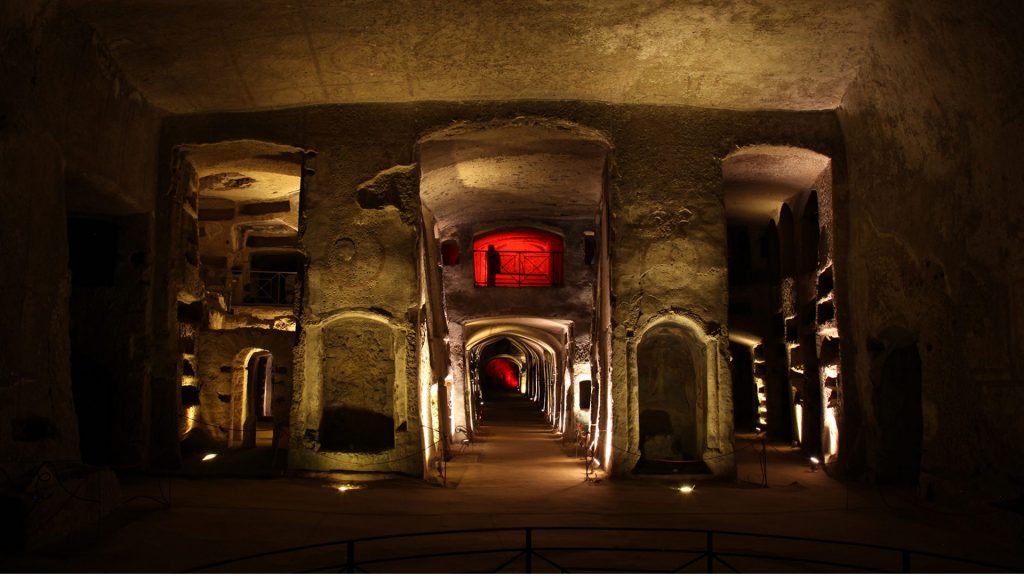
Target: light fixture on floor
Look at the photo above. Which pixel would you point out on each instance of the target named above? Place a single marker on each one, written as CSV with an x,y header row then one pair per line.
x,y
347,487
814,463
686,489
209,457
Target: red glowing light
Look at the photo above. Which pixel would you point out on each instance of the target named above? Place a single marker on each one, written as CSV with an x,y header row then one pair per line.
x,y
518,258
503,372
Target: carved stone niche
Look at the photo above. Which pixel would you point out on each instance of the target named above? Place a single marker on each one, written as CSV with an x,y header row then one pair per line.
x,y
358,386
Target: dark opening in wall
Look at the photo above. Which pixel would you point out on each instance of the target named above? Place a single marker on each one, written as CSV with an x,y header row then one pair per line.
x,y
92,251
787,252
261,384
189,396
190,313
276,241
450,252
809,235
897,402
259,208
278,262
589,248
740,258
744,395
670,419
272,278
826,282
586,388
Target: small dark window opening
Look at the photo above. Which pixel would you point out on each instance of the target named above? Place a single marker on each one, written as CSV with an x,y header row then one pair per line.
x,y
450,253
586,388
262,386
518,258
740,257
589,248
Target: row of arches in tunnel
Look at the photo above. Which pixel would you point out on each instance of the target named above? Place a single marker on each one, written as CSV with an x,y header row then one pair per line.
x,y
784,326
782,317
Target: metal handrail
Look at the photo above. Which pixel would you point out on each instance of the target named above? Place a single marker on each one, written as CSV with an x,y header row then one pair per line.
x,y
526,267
270,288
713,552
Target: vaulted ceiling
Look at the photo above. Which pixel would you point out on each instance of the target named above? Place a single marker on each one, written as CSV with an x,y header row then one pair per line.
x,y
191,56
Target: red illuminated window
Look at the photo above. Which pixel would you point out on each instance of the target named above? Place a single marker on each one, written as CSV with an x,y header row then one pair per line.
x,y
518,258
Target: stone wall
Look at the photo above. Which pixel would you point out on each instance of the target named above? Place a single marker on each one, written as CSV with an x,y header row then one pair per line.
x,y
933,230
68,116
667,233
75,139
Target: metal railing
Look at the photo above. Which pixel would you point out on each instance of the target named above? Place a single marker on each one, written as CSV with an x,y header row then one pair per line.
x,y
269,288
519,268
597,549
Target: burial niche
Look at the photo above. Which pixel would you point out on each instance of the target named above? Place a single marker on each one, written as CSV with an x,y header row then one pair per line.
x,y
358,386
670,370
897,395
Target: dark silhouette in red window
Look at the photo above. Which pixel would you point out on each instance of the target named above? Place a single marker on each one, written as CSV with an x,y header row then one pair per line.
x,y
518,258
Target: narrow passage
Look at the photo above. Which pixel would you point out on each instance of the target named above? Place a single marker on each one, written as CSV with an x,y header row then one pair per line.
x,y
515,449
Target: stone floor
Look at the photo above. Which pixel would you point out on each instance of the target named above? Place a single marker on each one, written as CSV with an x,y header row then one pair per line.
x,y
517,473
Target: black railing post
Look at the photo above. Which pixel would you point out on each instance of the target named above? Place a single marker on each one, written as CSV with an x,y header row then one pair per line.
x,y
350,557
528,552
711,553
905,561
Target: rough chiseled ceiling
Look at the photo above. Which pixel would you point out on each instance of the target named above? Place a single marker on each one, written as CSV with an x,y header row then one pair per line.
x,y
191,56
512,172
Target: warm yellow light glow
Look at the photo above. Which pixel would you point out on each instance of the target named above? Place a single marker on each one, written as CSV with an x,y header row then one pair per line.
x,y
608,427
209,457
191,417
427,400
798,412
832,426
832,371
828,331
347,487
449,381
686,488
814,460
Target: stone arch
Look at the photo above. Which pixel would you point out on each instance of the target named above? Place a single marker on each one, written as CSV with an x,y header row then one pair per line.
x,y
360,368
242,427
896,393
674,370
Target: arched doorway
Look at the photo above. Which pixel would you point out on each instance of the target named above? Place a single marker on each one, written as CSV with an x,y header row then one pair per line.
x,y
896,379
252,417
670,377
